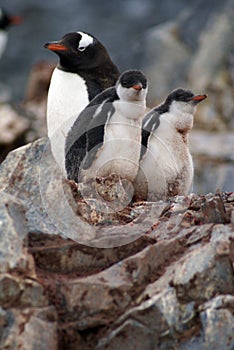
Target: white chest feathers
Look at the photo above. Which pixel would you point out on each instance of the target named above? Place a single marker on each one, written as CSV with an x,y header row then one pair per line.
x,y
167,168
67,97
120,152
3,41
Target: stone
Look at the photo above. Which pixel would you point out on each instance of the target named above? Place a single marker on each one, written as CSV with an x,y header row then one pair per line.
x,y
12,125
162,314
159,289
38,82
212,145
195,55
58,255
212,49
213,211
131,335
21,292
218,323
203,274
118,285
164,51
13,233
30,329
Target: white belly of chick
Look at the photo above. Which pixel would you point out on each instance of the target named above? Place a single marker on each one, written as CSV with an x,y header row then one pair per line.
x,y
67,97
120,152
167,166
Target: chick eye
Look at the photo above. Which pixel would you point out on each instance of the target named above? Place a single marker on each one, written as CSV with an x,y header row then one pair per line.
x,y
82,48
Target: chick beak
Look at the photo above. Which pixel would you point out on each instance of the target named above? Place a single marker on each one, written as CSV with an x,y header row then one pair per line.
x,y
198,98
137,87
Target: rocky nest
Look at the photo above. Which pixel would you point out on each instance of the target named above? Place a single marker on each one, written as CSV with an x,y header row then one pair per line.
x,y
170,287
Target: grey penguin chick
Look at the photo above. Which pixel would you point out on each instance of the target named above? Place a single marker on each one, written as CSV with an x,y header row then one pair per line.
x,y
106,137
84,70
166,165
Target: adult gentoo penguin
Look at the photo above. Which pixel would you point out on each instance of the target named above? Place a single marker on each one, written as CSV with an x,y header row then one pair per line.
x,y
5,22
84,70
106,137
166,166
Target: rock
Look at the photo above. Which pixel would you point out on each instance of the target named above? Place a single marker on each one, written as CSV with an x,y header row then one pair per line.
x,y
163,280
13,129
195,55
212,49
218,323
12,125
211,145
35,99
56,255
13,232
166,57
38,82
20,180
30,329
131,335
116,284
210,274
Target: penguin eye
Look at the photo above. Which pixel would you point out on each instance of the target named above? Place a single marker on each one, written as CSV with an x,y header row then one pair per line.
x,y
82,48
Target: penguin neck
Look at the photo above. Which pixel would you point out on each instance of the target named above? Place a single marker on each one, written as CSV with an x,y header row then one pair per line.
x,y
180,119
131,110
97,78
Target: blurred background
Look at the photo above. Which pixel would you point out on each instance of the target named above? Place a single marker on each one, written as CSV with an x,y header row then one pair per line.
x,y
177,43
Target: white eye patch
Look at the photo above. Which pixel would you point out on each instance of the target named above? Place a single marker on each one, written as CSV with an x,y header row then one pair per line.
x,y
85,41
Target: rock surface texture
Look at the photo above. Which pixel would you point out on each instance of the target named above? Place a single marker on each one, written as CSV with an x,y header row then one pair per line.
x,y
171,286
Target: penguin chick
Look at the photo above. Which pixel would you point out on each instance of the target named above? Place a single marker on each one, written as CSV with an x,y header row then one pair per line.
x,y
84,70
106,137
5,22
166,166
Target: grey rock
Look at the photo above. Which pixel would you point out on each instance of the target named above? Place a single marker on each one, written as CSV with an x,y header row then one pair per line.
x,y
15,291
162,314
9,290
20,179
195,54
30,329
12,125
54,254
213,49
203,274
218,323
13,233
32,176
166,57
212,145
155,292
118,285
131,335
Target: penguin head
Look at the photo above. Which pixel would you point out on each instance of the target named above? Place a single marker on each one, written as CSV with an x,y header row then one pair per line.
x,y
132,86
183,100
7,20
78,50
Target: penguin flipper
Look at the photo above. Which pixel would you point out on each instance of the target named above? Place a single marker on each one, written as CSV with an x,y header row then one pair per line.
x,y
150,123
87,132
96,132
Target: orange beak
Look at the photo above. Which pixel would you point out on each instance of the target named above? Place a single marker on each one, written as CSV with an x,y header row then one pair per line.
x,y
137,87
55,46
199,98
